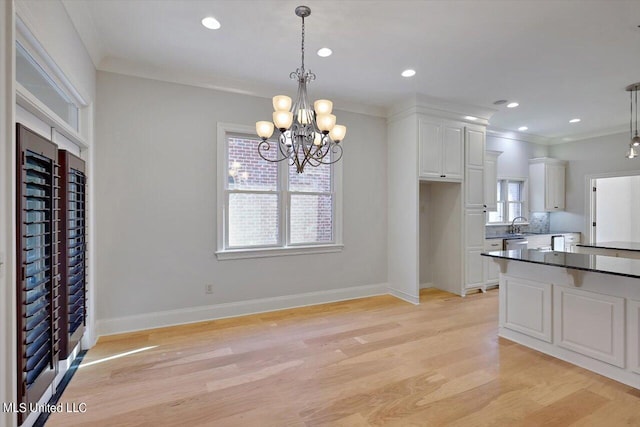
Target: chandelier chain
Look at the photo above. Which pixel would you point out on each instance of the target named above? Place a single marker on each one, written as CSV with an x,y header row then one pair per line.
x,y
302,49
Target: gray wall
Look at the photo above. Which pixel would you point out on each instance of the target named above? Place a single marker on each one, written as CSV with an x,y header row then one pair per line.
x,y
156,214
598,155
514,160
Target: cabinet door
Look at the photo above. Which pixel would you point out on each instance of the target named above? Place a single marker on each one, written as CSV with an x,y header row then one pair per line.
x,y
554,187
474,147
474,188
474,269
452,148
430,135
558,188
474,245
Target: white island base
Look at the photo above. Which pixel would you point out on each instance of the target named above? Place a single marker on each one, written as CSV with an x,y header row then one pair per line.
x,y
587,318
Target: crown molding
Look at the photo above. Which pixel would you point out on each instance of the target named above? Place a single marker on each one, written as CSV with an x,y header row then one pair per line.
x,y
584,136
518,136
221,83
425,104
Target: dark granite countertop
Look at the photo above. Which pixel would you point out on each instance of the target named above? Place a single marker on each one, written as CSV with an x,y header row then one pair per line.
x,y
597,263
624,246
527,233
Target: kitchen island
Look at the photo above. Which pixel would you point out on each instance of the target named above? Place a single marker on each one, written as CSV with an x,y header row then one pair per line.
x,y
617,249
581,308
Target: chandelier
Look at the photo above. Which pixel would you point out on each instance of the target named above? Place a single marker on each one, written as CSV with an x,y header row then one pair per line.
x,y
634,139
309,134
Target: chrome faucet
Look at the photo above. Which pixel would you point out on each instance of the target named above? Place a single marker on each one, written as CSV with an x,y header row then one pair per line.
x,y
516,228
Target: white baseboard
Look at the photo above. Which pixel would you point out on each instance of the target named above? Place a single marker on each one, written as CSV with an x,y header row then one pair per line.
x,y
233,309
404,296
426,285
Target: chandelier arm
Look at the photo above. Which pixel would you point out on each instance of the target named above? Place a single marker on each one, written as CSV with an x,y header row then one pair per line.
x,y
336,150
282,143
264,145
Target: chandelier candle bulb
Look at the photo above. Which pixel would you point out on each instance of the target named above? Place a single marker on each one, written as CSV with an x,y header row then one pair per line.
x,y
264,129
338,132
303,116
323,106
282,119
317,139
281,103
326,122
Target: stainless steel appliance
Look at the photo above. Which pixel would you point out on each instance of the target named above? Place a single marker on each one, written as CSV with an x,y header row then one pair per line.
x,y
518,243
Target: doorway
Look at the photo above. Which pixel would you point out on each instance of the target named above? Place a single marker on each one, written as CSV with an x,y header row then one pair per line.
x,y
615,208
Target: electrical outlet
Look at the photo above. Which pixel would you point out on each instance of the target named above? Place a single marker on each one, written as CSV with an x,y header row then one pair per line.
x,y
208,289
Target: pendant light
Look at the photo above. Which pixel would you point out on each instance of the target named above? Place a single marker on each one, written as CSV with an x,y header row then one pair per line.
x,y
633,106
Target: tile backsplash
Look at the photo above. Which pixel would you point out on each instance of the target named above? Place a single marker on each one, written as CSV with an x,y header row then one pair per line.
x,y
538,223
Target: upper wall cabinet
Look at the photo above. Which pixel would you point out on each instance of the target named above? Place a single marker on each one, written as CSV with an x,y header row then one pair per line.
x,y
491,180
546,184
441,149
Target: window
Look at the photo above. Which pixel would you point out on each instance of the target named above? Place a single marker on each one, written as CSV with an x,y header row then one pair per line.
x,y
511,201
35,79
266,208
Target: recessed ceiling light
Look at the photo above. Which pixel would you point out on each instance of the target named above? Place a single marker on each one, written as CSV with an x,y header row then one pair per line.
x,y
473,119
211,23
512,105
574,120
522,128
408,73
324,52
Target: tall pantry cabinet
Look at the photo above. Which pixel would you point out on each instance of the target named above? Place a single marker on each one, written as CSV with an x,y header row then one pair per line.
x,y
50,257
450,163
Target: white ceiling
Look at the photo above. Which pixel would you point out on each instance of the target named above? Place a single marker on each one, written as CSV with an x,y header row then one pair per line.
x,y
559,59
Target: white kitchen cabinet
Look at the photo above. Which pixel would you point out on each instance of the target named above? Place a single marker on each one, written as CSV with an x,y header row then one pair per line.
x,y
491,269
441,148
491,180
546,185
590,323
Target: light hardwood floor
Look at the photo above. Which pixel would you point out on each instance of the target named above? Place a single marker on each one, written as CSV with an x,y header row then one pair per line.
x,y
374,361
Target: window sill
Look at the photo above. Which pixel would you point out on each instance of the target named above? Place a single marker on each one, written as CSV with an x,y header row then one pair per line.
x,y
502,224
272,252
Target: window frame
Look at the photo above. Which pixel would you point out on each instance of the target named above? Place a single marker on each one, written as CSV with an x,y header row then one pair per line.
x,y
284,246
524,202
